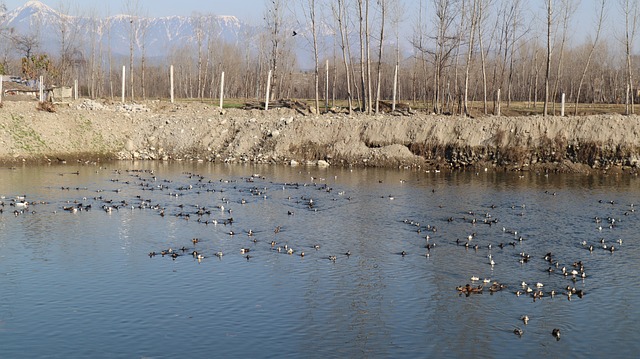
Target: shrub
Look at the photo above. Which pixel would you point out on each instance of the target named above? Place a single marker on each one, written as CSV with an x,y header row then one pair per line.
x,y
46,106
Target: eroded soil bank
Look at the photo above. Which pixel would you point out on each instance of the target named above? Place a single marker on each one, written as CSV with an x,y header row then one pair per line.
x,y
97,131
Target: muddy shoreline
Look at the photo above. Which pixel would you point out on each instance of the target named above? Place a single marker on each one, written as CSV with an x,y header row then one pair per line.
x,y
88,130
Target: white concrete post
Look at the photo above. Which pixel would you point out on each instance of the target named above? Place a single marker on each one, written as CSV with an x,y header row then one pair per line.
x,y
75,89
395,89
41,89
123,81
221,90
171,82
562,107
326,88
498,100
266,101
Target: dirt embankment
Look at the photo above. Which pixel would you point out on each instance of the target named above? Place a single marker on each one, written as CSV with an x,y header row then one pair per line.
x,y
157,130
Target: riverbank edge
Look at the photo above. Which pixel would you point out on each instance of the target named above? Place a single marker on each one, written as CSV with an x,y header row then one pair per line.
x,y
167,132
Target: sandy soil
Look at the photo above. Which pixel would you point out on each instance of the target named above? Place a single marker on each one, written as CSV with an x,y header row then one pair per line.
x,y
96,130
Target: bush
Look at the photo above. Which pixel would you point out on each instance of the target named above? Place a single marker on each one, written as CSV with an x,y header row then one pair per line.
x,y
46,106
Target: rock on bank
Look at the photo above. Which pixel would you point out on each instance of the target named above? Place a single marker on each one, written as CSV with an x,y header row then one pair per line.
x,y
162,131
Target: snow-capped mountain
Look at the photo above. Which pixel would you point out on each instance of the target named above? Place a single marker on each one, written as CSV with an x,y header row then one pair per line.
x,y
159,35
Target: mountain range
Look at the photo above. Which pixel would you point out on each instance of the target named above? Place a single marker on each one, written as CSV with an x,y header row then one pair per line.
x,y
160,35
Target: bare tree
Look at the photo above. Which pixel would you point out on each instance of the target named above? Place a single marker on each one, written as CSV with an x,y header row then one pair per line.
x,y
133,9
481,10
568,8
339,12
274,17
601,16
199,32
397,15
312,16
383,15
630,10
143,25
472,28
548,71
67,34
445,44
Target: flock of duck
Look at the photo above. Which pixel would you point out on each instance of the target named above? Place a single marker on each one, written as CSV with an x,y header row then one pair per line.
x,y
558,276
232,196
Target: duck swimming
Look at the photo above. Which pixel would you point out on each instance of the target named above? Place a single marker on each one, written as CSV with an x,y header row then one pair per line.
x,y
468,289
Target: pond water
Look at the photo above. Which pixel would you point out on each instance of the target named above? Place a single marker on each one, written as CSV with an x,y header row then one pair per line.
x,y
78,278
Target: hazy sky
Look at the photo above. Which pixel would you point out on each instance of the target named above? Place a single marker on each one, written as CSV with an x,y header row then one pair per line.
x,y
249,10
252,10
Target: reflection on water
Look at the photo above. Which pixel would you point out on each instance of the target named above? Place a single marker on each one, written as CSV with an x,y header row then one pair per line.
x,y
82,283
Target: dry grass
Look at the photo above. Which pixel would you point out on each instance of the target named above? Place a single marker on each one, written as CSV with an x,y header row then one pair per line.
x,y
46,106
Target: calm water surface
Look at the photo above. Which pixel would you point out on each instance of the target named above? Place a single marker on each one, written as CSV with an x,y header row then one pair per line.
x,y
82,283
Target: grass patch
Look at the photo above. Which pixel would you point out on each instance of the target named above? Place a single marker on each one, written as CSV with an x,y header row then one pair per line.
x,y
24,137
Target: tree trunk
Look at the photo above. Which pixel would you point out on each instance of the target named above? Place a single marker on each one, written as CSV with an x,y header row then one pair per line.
x,y
383,16
593,47
548,71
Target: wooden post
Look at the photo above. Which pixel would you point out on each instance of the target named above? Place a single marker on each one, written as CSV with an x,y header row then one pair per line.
x,y
266,101
221,89
41,89
171,82
123,81
326,88
562,106
75,89
395,89
498,100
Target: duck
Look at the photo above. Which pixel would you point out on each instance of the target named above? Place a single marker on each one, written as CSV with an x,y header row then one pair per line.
x,y
525,319
495,287
518,332
556,333
468,289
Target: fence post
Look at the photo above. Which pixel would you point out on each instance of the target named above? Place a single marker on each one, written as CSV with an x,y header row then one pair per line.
x,y
395,89
1,91
326,88
221,89
123,81
75,89
562,106
171,82
498,109
41,89
266,101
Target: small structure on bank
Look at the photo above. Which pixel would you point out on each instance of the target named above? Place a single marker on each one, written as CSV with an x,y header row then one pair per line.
x,y
19,91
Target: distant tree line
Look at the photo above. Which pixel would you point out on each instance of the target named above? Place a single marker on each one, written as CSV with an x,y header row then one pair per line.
x,y
457,52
